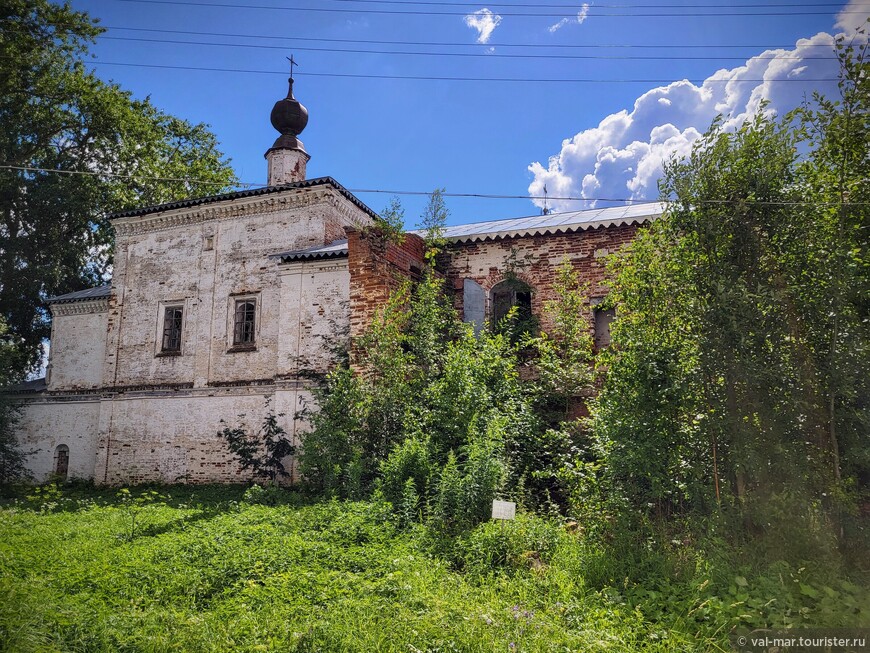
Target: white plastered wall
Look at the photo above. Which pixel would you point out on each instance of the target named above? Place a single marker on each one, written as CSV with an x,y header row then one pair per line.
x,y
44,425
78,345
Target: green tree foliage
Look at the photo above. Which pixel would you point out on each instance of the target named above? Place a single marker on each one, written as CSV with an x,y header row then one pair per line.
x,y
834,262
428,401
12,457
738,372
57,115
564,358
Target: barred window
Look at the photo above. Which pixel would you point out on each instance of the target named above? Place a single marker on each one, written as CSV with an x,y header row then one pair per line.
x,y
243,331
172,320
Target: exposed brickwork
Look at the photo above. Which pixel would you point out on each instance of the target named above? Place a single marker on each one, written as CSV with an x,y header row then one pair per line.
x,y
377,267
129,413
534,260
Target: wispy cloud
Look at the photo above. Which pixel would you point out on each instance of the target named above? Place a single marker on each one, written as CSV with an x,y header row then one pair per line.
x,y
581,18
558,25
485,22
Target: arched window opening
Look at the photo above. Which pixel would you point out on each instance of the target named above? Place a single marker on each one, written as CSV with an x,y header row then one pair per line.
x,y
505,296
603,318
61,461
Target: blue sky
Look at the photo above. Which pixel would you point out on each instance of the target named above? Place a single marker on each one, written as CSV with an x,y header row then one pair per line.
x,y
640,79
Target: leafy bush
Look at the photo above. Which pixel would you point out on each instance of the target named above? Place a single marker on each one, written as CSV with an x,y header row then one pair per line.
x,y
268,495
262,452
484,474
528,542
408,460
446,510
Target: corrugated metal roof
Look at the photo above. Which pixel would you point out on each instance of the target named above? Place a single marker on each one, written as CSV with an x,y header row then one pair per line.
x,y
266,190
34,385
81,295
335,249
553,223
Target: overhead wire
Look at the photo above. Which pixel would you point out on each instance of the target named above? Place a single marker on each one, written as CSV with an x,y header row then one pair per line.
x,y
597,4
491,55
494,44
593,12
444,78
96,173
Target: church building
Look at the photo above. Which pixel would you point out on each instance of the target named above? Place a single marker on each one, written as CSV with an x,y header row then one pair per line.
x,y
218,304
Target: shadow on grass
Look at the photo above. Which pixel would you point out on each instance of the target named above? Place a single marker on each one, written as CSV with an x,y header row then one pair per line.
x,y
76,496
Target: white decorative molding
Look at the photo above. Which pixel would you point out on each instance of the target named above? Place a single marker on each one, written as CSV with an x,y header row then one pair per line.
x,y
237,208
313,267
83,307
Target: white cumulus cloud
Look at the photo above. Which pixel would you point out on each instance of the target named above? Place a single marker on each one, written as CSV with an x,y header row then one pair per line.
x,y
485,22
581,18
622,157
852,16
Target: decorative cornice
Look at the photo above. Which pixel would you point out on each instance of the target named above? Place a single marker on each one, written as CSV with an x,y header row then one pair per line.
x,y
85,307
166,390
348,211
239,208
313,267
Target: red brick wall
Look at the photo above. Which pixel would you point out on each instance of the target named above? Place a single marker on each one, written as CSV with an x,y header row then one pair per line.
x,y
534,260
377,267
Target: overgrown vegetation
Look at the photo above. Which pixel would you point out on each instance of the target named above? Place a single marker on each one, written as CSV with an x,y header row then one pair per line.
x,y
733,390
737,384
207,570
732,411
715,487
435,419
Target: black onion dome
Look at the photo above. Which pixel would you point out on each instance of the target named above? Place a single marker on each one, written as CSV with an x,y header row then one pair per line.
x,y
289,117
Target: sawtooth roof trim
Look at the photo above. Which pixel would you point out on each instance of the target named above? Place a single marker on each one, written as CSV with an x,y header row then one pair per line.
x,y
553,223
335,249
266,190
99,292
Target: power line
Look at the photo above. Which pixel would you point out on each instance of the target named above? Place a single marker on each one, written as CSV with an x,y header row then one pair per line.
x,y
469,45
605,6
457,79
116,175
426,193
471,54
593,12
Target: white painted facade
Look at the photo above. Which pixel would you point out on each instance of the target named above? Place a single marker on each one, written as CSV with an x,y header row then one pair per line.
x,y
130,411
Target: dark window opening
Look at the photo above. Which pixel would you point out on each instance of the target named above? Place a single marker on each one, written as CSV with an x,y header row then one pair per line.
x,y
61,463
603,319
243,331
513,294
172,320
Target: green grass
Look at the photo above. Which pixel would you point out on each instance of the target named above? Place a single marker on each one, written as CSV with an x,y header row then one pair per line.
x,y
199,569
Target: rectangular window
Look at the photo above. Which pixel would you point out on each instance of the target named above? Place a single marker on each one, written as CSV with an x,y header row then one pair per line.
x,y
603,319
244,322
172,320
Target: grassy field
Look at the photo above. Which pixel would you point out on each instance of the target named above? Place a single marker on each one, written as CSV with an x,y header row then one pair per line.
x,y
184,569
